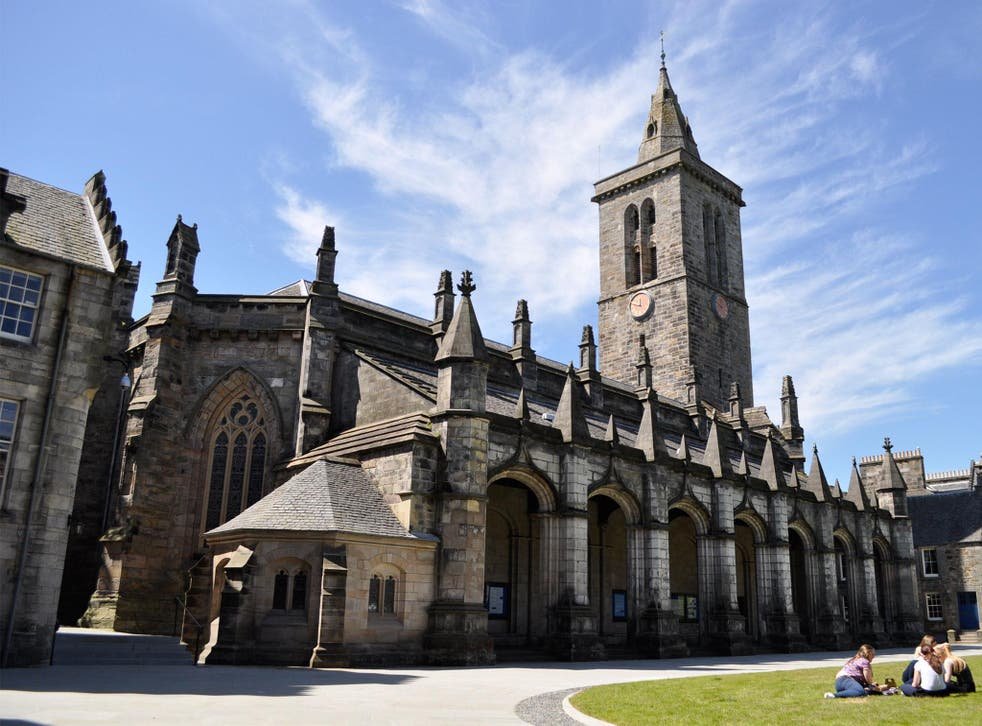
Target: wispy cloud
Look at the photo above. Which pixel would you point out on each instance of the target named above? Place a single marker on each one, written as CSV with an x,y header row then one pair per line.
x,y
494,174
456,26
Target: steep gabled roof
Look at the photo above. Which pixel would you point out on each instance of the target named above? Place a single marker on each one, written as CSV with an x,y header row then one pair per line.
x,y
56,223
327,496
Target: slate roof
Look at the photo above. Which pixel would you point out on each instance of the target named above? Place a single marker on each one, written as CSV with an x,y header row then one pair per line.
x,y
56,223
327,496
939,519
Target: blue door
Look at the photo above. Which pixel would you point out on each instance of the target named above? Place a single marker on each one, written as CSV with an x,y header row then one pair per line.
x,y
968,611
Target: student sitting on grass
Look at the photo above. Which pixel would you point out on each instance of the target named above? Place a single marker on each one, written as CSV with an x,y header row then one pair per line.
x,y
908,675
927,679
856,674
952,665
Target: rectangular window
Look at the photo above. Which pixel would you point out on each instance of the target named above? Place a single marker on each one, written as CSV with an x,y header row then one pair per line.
x,y
686,607
8,423
929,558
934,609
20,295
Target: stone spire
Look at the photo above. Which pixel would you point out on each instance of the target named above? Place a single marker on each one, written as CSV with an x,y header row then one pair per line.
x,y
736,402
588,349
667,128
521,350
462,359
891,494
769,471
182,255
444,304
522,406
790,426
610,435
715,457
816,482
327,254
856,493
791,429
463,340
569,414
587,373
649,440
522,336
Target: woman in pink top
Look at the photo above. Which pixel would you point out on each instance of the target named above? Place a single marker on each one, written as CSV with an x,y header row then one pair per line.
x,y
856,674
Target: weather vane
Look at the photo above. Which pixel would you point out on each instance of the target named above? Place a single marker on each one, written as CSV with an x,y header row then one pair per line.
x,y
662,35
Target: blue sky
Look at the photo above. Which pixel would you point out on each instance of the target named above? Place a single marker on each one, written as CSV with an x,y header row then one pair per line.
x,y
440,135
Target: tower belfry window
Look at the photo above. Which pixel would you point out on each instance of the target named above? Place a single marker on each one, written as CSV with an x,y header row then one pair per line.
x,y
632,257
722,273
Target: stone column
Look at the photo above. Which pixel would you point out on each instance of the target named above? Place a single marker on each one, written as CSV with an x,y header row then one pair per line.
x,y
830,627
330,651
780,624
725,625
574,625
658,626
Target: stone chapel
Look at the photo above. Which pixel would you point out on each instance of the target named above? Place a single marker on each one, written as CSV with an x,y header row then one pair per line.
x,y
307,477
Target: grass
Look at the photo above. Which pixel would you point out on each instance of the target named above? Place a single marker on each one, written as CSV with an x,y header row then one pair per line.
x,y
782,697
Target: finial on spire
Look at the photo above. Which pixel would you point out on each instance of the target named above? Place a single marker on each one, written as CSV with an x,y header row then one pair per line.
x,y
662,34
887,446
466,285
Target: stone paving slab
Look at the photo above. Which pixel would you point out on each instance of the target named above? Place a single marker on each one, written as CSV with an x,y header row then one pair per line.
x,y
261,695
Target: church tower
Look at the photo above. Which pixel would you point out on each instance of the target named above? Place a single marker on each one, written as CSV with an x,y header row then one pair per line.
x,y
671,266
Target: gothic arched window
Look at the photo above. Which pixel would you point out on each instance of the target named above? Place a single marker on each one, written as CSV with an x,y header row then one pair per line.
x,y
299,599
632,259
238,461
648,263
382,592
280,584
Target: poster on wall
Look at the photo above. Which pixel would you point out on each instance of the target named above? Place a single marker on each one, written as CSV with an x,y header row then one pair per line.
x,y
618,607
496,596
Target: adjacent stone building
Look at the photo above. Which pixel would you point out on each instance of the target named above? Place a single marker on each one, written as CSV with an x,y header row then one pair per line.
x,y
310,477
66,292
946,514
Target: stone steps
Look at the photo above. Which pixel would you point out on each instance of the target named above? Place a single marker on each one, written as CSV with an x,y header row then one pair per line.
x,y
83,646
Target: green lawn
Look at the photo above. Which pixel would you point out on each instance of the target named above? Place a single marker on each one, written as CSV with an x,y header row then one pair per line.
x,y
783,697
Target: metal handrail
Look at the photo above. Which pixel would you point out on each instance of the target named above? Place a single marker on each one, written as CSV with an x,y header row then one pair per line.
x,y
198,627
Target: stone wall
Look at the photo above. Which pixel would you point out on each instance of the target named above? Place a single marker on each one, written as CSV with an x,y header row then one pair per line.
x,y
28,372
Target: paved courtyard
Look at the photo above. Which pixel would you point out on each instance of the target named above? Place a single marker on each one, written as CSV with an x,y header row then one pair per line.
x,y
259,695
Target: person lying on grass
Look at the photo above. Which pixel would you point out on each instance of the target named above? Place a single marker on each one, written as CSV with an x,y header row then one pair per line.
x,y
953,666
927,676
856,675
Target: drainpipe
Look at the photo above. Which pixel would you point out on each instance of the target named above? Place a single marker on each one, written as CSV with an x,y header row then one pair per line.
x,y
124,385
39,464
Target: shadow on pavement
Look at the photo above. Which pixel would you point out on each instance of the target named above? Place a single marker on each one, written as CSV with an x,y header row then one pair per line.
x,y
189,680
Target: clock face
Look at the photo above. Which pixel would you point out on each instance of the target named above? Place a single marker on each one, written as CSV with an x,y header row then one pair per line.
x,y
721,307
641,305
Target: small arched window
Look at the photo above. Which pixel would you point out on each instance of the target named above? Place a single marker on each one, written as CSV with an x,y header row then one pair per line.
x,y
281,584
236,477
299,599
652,128
382,594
